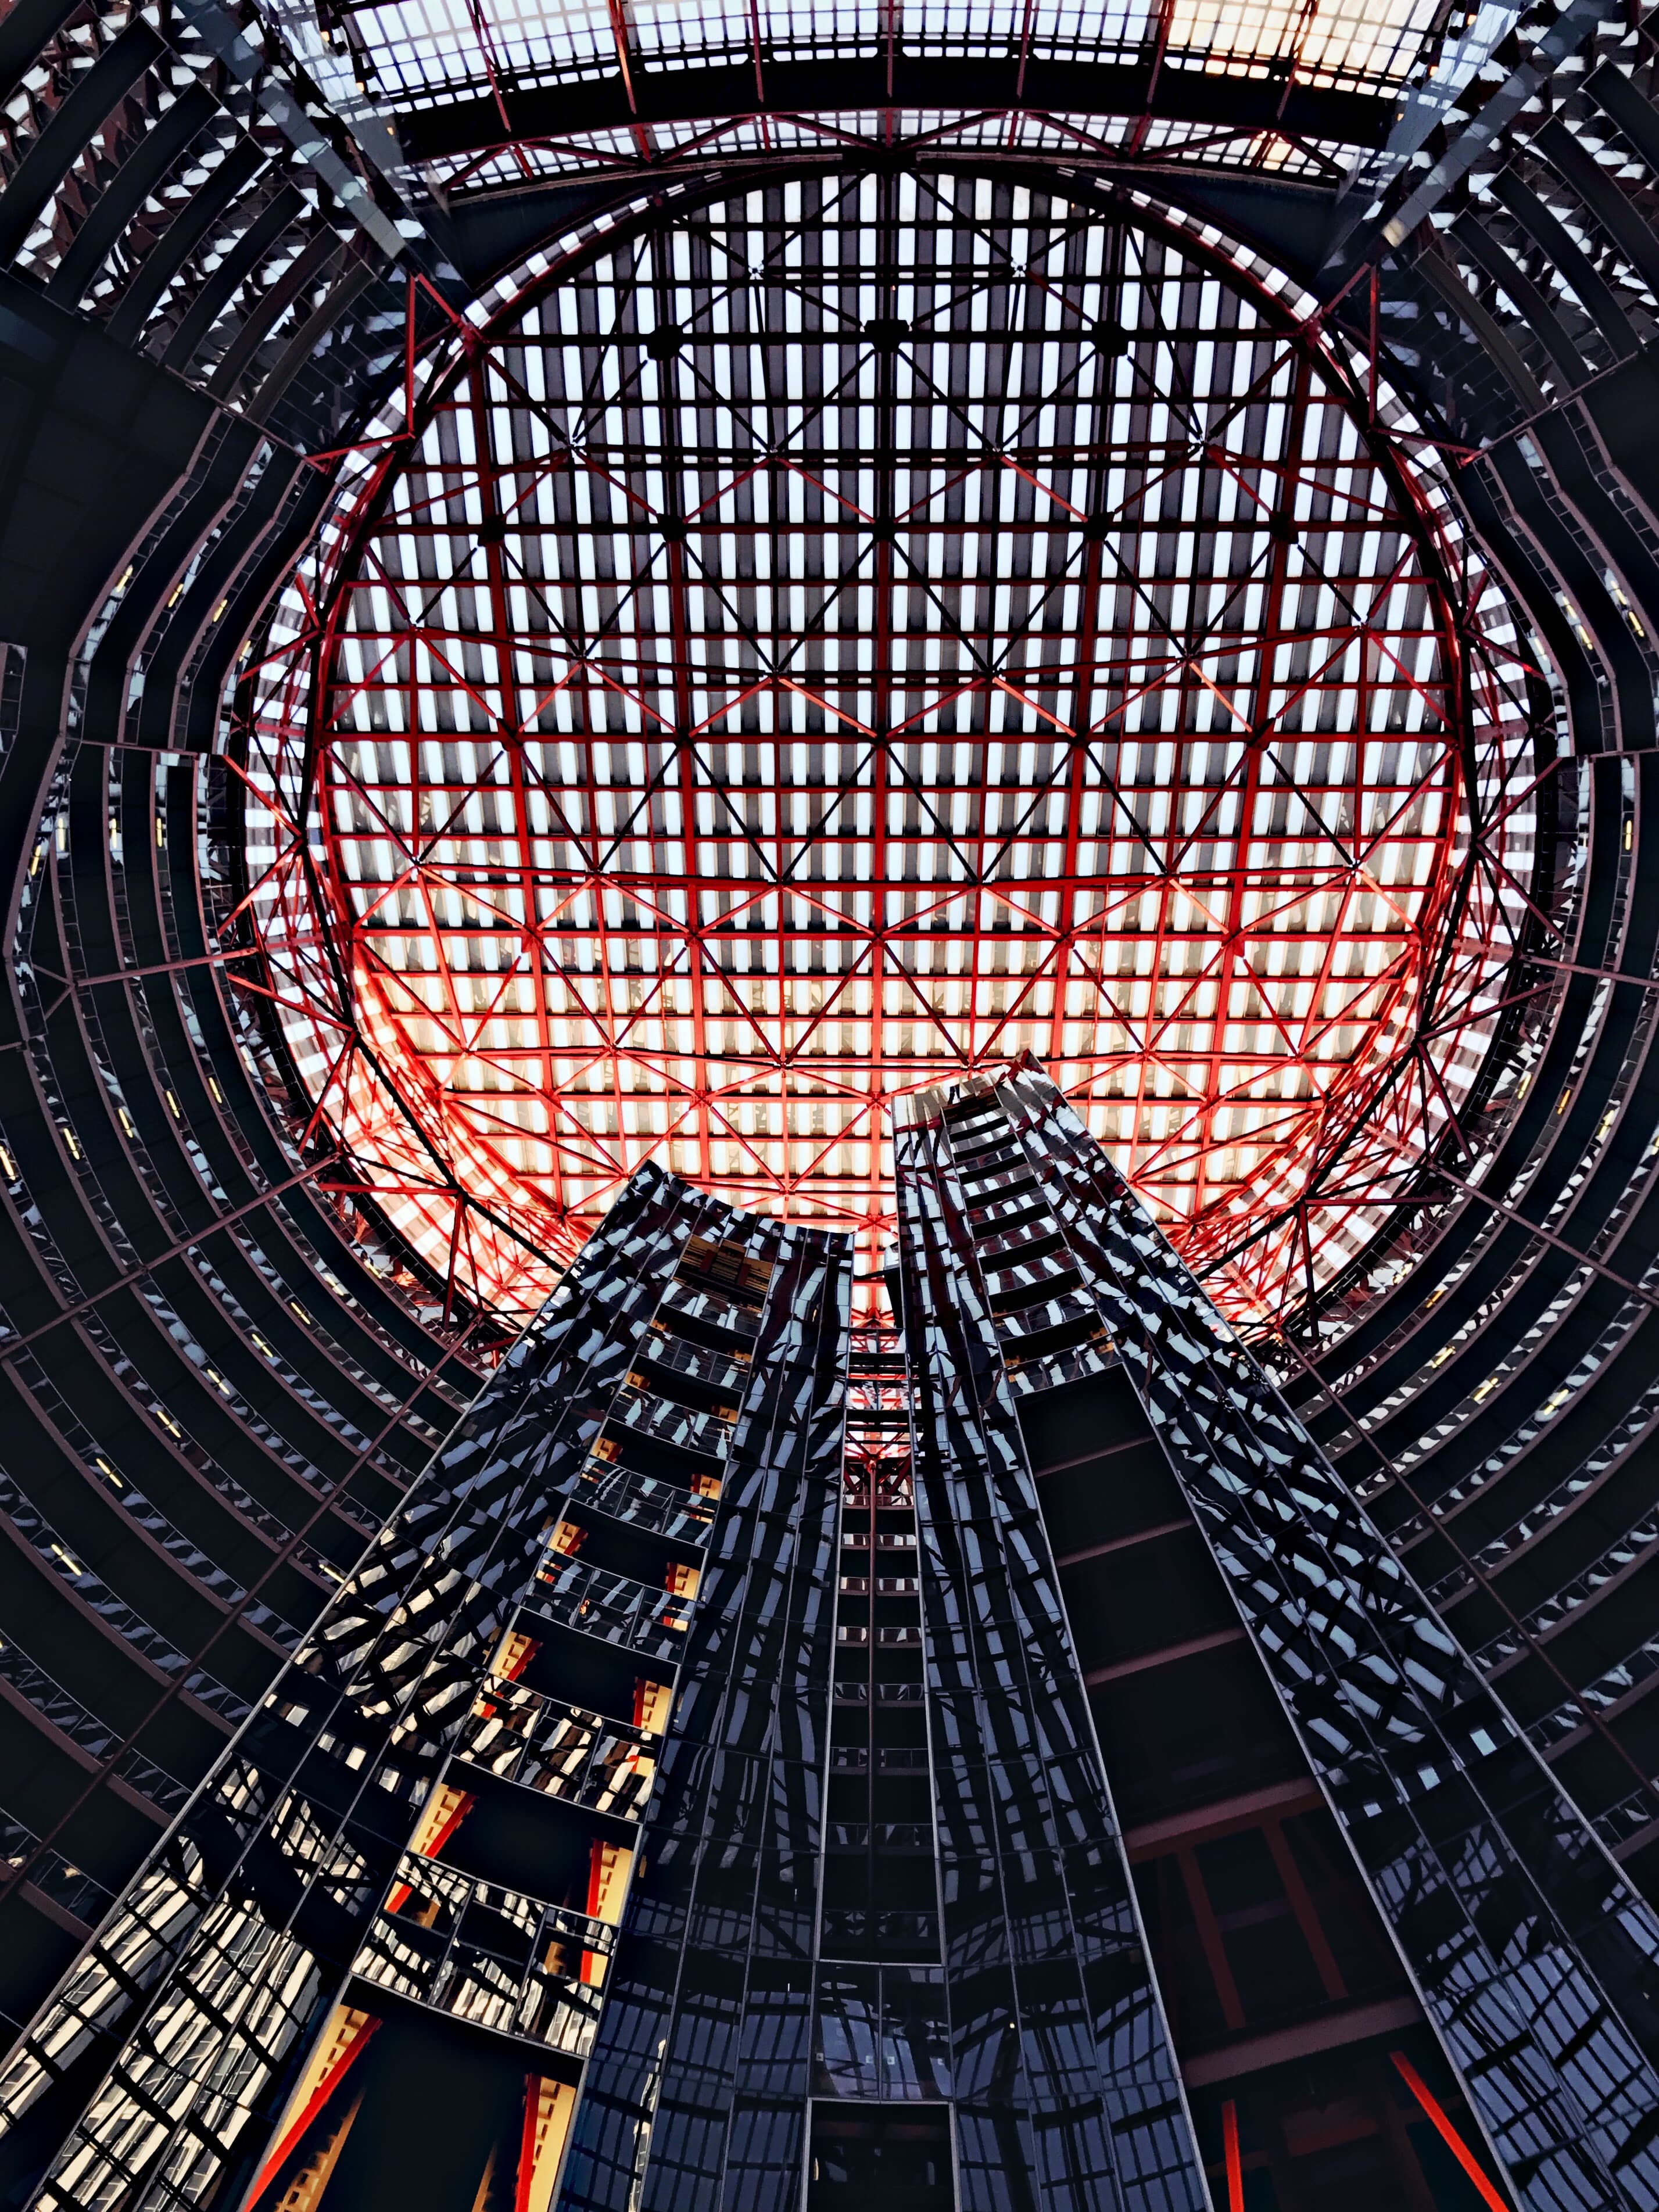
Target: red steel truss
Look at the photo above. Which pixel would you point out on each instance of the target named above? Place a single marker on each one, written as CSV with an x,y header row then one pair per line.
x,y
490,93
861,631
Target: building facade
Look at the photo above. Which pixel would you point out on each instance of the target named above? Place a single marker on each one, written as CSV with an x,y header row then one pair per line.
x,y
220,1369
1390,1944
372,1960
764,1763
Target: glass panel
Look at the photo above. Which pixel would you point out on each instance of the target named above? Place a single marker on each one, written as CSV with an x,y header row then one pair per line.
x,y
1537,1963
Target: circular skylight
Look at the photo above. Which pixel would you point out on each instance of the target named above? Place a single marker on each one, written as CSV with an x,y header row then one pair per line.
x,y
865,629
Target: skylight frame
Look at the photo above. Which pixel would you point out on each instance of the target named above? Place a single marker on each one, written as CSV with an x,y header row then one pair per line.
x,y
1363,1155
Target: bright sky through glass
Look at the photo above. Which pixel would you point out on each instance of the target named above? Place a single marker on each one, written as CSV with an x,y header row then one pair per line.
x,y
426,49
870,629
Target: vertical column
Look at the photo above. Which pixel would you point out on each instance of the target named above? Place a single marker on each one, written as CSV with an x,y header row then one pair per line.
x,y
1537,1963
881,2132
696,2094
1066,2088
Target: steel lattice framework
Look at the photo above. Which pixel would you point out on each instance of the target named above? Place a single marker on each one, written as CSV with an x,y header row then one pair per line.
x,y
865,629
437,51
500,92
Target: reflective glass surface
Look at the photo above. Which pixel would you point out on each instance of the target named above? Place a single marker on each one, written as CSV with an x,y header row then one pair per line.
x,y
176,2036
1066,2087
1537,1962
697,2091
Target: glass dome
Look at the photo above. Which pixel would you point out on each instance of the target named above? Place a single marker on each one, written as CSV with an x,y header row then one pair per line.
x,y
868,628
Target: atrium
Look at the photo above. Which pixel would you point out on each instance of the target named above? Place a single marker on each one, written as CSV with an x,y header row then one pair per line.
x,y
636,596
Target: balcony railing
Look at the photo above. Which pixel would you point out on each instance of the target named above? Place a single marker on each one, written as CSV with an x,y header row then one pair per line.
x,y
489,1955
1024,1283
610,1606
1037,1321
681,1426
855,1691
583,1758
706,1302
996,1190
890,1758
726,1371
644,1501
1029,1241
986,1161
880,1835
